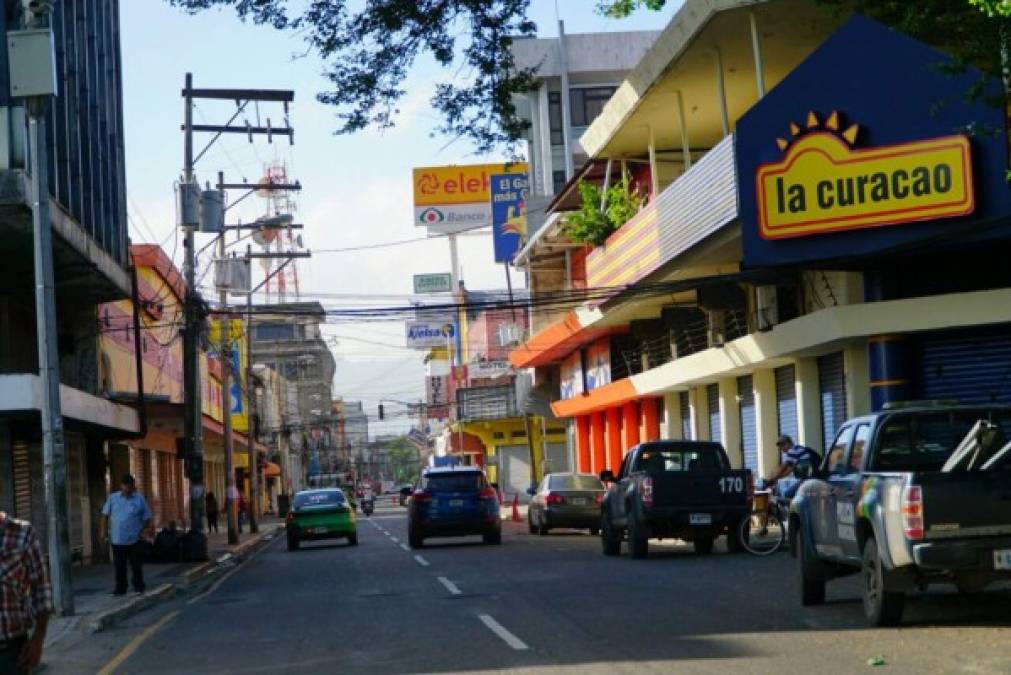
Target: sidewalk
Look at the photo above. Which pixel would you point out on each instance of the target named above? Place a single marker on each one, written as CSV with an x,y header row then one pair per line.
x,y
97,609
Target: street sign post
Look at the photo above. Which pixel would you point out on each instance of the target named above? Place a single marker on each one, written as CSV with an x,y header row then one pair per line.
x,y
441,282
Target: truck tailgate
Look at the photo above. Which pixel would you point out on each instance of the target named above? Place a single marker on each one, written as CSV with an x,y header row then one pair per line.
x,y
700,488
966,504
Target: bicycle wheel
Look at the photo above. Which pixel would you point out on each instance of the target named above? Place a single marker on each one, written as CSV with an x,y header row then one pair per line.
x,y
762,533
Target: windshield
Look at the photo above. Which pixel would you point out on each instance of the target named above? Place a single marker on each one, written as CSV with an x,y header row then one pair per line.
x,y
925,441
453,482
575,483
334,497
699,458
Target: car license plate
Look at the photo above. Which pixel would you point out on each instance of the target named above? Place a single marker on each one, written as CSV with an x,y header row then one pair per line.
x,y
318,530
700,518
1002,559
456,502
579,501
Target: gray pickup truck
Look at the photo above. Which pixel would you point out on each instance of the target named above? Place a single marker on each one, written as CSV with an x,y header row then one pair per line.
x,y
678,489
907,497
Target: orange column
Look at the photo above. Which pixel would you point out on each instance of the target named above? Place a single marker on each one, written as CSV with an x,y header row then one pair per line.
x,y
651,419
631,434
597,433
583,443
614,453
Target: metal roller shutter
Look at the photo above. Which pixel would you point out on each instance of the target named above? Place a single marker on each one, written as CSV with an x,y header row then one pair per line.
x,y
22,482
686,416
970,368
514,470
749,422
786,401
832,389
557,456
713,401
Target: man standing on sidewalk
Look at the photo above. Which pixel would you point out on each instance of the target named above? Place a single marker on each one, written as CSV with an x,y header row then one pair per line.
x,y
125,517
26,598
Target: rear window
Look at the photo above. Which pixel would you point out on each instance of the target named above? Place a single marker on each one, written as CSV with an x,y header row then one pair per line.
x,y
663,460
453,482
575,483
319,498
925,441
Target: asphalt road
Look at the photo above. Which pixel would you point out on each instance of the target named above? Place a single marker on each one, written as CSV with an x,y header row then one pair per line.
x,y
541,604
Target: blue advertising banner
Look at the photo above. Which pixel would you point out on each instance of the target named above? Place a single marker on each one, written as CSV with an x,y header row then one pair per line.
x,y
871,145
508,213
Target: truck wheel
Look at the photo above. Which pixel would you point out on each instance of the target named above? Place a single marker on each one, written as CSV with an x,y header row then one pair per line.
x,y
881,606
638,544
415,540
530,524
292,543
703,545
353,539
609,539
734,544
542,526
812,586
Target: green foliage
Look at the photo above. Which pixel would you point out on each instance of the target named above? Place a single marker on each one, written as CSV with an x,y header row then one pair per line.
x,y
404,460
593,225
993,7
619,9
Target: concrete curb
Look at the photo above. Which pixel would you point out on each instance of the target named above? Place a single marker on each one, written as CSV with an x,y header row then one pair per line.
x,y
110,617
203,571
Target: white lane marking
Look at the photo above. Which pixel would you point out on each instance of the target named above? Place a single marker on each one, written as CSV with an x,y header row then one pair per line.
x,y
406,547
500,630
450,586
394,540
421,561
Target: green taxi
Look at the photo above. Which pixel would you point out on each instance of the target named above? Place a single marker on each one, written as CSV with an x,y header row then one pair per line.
x,y
320,514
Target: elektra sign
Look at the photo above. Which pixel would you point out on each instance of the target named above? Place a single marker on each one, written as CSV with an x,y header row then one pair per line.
x,y
822,184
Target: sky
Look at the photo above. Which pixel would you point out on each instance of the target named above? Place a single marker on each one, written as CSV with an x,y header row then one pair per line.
x,y
356,188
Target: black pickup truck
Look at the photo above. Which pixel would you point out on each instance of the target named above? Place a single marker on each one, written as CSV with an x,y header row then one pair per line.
x,y
909,496
676,489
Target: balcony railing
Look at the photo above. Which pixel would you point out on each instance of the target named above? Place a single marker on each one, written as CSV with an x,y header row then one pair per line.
x,y
486,403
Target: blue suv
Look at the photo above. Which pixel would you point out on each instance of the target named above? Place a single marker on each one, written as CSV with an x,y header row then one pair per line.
x,y
453,502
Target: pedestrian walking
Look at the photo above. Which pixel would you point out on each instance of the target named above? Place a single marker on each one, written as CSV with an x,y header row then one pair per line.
x,y
241,505
126,516
26,598
211,507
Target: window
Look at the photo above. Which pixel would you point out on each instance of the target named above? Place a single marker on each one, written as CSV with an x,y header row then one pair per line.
x,y
555,118
925,441
275,331
303,499
454,482
836,460
698,458
576,483
587,103
557,180
859,444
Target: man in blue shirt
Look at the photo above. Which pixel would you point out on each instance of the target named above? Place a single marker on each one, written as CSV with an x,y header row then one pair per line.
x,y
792,456
125,516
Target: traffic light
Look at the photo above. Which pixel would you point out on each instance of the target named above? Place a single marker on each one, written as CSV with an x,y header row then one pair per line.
x,y
382,414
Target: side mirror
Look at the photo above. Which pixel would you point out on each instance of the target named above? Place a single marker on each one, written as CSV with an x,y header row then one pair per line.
x,y
607,476
531,490
803,471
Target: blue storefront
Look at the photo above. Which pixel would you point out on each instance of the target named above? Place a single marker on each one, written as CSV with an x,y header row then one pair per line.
x,y
872,159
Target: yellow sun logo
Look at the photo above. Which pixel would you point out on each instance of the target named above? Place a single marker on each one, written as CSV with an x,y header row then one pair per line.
x,y
832,123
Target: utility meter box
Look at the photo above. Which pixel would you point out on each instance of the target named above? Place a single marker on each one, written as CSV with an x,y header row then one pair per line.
x,y
31,61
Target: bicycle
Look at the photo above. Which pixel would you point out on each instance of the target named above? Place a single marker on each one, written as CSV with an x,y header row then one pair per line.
x,y
764,531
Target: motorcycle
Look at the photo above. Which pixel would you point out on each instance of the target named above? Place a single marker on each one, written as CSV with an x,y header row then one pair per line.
x,y
368,506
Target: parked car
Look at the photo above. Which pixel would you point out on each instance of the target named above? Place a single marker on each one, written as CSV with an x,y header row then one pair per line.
x,y
320,514
677,489
453,502
566,500
908,496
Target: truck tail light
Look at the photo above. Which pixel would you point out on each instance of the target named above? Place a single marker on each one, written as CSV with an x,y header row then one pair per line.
x,y
912,512
554,499
489,493
647,492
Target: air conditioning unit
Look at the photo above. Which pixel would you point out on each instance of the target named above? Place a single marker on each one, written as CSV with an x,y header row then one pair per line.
x,y
509,334
767,306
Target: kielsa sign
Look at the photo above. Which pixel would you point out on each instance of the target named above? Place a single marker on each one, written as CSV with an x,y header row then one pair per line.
x,y
452,199
426,335
858,152
825,184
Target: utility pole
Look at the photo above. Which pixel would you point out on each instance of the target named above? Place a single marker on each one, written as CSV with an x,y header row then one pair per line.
x,y
54,451
225,336
189,191
193,422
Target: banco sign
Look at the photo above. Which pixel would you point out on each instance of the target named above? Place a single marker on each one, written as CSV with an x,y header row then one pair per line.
x,y
823,184
425,335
